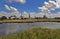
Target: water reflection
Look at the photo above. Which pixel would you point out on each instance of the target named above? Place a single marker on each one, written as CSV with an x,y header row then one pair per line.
x,y
7,28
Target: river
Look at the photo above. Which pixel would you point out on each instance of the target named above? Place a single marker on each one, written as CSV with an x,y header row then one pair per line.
x,y
8,28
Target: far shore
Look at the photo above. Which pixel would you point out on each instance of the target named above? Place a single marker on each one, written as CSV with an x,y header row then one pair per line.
x,y
29,20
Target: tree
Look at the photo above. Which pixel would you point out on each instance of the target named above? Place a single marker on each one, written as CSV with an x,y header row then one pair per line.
x,y
44,16
3,18
57,17
13,17
38,17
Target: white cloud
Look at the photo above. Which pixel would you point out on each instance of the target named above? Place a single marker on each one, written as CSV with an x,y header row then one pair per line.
x,y
32,14
25,14
21,1
2,13
40,14
10,8
58,1
7,7
43,8
57,14
53,15
49,15
55,4
13,10
51,5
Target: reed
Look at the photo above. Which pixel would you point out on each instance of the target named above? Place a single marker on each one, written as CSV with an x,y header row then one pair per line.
x,y
35,33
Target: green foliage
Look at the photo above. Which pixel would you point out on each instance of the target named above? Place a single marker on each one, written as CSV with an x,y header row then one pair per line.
x,y
35,33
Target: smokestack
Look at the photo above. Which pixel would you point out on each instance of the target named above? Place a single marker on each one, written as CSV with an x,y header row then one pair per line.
x,y
29,15
21,16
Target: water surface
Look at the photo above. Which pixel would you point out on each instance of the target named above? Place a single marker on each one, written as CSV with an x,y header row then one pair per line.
x,y
7,28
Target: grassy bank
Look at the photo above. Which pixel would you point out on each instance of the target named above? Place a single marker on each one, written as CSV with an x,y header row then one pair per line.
x,y
18,21
35,33
29,20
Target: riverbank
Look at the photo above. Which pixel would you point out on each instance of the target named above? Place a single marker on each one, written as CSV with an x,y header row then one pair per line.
x,y
35,33
29,20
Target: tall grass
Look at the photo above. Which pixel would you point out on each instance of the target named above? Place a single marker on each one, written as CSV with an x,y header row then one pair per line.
x,y
35,33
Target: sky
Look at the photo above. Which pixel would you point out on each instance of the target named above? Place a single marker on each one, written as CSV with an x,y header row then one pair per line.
x,y
27,6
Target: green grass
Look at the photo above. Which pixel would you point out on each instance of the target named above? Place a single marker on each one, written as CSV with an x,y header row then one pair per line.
x,y
29,20
35,33
17,21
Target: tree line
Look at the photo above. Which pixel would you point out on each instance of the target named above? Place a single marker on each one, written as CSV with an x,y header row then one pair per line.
x,y
15,18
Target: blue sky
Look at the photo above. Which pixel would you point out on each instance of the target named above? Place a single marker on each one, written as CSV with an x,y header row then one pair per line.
x,y
29,6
